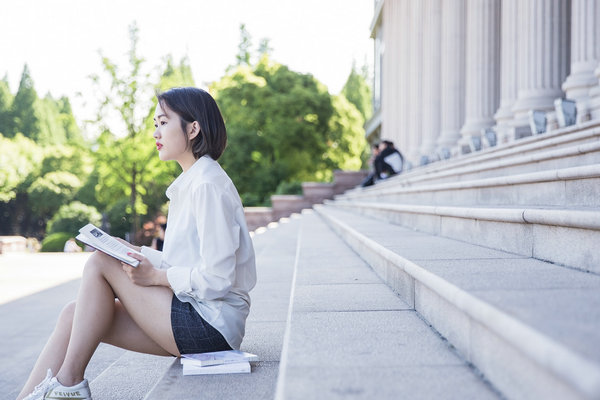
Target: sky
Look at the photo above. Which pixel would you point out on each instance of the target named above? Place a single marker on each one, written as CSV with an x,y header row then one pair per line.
x,y
61,40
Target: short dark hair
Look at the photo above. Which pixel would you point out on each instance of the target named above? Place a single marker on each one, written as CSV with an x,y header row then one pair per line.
x,y
193,104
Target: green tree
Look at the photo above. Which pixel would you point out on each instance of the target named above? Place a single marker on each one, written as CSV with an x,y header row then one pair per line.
x,y
19,157
174,76
51,129
127,163
122,159
244,54
6,100
49,192
347,147
284,126
358,91
71,217
68,124
24,111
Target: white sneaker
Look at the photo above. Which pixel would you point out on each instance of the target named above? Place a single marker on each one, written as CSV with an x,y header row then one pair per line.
x,y
50,388
40,390
55,390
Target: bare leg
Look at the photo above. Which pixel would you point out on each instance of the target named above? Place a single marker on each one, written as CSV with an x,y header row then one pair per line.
x,y
148,307
139,320
53,354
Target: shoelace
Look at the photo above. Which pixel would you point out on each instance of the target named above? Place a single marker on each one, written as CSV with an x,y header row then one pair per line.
x,y
41,388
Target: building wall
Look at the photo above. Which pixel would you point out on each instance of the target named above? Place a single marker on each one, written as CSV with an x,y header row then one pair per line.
x,y
447,71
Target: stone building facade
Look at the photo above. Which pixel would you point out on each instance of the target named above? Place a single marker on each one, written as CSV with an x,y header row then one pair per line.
x,y
452,74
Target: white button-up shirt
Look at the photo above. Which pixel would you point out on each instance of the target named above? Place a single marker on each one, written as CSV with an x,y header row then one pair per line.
x,y
207,249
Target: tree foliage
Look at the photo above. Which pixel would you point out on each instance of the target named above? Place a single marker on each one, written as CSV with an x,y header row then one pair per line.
x,y
24,111
72,216
358,91
6,100
47,193
127,163
19,158
124,149
284,126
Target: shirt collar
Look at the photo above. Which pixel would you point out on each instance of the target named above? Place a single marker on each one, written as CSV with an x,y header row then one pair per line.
x,y
184,178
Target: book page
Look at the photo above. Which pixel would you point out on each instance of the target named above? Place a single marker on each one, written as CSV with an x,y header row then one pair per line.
x,y
100,240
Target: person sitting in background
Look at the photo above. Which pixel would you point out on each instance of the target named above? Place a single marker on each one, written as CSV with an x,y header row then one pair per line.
x,y
370,179
157,242
389,162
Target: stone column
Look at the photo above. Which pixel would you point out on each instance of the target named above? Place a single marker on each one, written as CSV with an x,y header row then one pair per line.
x,y
452,72
432,31
388,71
585,54
482,68
415,94
508,70
543,57
594,102
403,67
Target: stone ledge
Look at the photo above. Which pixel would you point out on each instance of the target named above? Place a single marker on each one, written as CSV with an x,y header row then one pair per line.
x,y
563,174
554,217
573,133
581,375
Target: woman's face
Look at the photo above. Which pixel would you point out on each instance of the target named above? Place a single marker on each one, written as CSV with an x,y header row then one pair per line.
x,y
171,142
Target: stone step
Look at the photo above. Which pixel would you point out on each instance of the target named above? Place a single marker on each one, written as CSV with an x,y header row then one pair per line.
x,y
559,235
573,187
530,327
577,148
350,336
275,250
131,376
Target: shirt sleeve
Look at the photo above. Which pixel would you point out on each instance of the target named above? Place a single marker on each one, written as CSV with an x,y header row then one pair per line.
x,y
218,241
153,255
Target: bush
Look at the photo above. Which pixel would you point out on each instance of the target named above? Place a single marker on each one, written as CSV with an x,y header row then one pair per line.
x,y
71,217
55,242
289,188
49,192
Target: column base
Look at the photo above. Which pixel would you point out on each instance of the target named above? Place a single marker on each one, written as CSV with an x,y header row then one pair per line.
x,y
448,139
594,103
577,85
540,100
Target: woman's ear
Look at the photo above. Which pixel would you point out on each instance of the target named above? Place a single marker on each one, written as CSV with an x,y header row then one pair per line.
x,y
193,130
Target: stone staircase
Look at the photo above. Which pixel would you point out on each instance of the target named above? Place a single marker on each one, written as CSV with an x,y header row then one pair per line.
x,y
471,278
497,251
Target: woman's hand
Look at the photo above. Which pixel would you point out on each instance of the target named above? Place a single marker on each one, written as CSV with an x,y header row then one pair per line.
x,y
126,243
145,274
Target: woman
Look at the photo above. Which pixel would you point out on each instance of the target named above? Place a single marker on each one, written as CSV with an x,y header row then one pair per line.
x,y
190,298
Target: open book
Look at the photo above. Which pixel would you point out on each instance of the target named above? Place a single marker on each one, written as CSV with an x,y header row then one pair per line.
x,y
100,240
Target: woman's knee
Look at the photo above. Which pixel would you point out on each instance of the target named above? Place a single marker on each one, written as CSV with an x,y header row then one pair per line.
x,y
97,263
